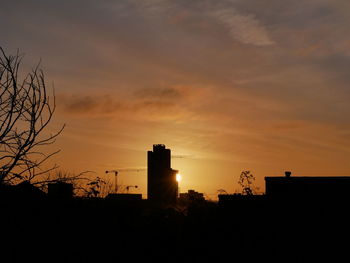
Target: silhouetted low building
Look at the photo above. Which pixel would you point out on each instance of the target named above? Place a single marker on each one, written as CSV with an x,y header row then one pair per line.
x,y
60,190
190,196
22,191
308,187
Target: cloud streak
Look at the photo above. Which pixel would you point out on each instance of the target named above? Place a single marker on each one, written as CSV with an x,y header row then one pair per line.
x,y
244,28
159,103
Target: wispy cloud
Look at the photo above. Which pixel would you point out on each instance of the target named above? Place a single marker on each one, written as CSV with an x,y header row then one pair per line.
x,y
154,104
96,106
163,93
244,28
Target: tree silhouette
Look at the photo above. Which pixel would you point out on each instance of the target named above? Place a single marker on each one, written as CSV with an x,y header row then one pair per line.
x,y
98,188
78,180
26,109
246,180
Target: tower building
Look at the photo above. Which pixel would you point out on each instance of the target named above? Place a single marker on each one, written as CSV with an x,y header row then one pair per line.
x,y
162,186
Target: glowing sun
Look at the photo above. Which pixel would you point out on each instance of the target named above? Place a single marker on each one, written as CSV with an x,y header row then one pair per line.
x,y
178,177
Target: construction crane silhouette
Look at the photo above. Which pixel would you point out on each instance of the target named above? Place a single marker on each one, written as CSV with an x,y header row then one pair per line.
x,y
123,170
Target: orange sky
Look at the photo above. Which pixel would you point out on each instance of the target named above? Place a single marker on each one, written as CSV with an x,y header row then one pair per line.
x,y
229,85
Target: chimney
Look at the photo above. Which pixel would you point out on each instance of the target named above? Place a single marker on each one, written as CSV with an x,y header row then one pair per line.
x,y
287,173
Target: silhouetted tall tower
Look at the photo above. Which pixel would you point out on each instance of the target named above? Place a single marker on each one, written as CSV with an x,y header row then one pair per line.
x,y
162,186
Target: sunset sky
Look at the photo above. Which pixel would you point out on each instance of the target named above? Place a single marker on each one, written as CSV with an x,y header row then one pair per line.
x,y
227,85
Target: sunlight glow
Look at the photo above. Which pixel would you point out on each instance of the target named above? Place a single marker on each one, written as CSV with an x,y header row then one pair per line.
x,y
178,177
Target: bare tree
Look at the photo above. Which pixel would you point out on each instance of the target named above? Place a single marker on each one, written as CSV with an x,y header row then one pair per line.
x,y
60,176
83,185
26,109
98,188
246,180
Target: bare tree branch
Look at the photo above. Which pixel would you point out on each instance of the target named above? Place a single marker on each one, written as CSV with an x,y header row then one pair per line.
x,y
25,113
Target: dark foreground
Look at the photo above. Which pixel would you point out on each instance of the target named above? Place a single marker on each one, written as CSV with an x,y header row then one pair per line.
x,y
254,229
